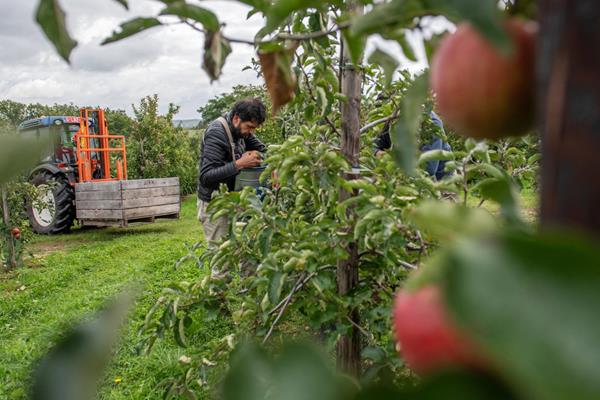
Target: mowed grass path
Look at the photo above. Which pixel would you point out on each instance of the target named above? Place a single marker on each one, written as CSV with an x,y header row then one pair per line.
x,y
72,277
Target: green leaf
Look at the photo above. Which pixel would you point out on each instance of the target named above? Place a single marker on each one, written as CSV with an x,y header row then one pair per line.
x,y
397,13
322,100
18,154
387,62
446,220
124,3
51,17
275,286
532,302
260,5
484,15
406,47
131,28
404,131
355,45
73,366
179,332
502,192
199,14
282,9
432,155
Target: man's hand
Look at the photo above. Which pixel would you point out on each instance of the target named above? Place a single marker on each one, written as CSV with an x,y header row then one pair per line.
x,y
249,159
379,153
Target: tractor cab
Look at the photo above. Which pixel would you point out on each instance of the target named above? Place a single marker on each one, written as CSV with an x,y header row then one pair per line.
x,y
64,129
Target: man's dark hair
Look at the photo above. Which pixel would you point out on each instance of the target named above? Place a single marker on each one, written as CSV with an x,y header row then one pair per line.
x,y
251,109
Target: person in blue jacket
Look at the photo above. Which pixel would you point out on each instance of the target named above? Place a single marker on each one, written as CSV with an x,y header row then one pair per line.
x,y
435,168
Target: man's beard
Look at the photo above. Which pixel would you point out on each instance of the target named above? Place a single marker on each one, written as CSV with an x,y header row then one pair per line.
x,y
236,131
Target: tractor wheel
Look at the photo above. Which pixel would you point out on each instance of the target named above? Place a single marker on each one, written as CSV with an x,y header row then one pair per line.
x,y
54,212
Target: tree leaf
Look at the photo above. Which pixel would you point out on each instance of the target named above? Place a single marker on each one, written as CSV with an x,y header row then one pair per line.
x,y
484,15
282,9
386,61
406,47
124,3
279,77
72,368
51,17
432,155
404,131
216,50
18,154
397,13
502,192
179,331
260,5
322,100
131,28
532,302
199,14
355,45
275,286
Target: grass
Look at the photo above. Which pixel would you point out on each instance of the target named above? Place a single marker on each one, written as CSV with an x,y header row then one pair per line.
x,y
71,277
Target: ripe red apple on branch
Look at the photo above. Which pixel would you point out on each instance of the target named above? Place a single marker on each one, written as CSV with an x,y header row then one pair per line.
x,y
481,92
16,233
428,339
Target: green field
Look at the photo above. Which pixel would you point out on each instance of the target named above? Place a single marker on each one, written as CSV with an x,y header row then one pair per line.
x,y
72,276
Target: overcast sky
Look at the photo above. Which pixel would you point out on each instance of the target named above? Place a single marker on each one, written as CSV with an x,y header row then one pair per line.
x,y
163,60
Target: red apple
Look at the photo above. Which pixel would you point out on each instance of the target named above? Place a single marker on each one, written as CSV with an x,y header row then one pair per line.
x,y
481,92
16,233
428,339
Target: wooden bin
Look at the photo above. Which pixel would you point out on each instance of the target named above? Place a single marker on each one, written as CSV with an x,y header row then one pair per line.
x,y
120,203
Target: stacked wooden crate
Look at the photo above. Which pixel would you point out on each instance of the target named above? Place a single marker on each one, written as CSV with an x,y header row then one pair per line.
x,y
120,203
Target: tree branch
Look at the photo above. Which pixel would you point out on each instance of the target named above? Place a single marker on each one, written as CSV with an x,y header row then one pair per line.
x,y
280,36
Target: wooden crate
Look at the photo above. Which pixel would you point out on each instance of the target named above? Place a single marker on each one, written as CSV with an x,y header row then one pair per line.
x,y
123,202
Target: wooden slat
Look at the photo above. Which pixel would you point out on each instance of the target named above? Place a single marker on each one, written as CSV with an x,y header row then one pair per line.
x,y
151,211
149,183
98,195
98,204
150,201
99,214
152,192
93,186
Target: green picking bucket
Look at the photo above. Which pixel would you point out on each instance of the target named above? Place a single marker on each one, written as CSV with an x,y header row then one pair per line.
x,y
249,177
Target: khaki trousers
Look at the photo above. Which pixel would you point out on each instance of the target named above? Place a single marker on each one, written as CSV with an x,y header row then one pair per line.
x,y
213,230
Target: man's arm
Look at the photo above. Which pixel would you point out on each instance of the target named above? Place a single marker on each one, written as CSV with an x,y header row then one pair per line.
x,y
215,168
254,143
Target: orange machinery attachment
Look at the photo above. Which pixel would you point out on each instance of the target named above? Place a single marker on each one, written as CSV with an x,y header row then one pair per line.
x,y
98,151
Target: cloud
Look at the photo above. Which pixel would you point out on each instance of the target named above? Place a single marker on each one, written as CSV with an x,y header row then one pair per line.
x,y
163,60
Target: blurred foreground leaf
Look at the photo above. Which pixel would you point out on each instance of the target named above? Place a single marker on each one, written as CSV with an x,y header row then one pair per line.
x,y
300,372
51,18
72,368
533,302
18,154
403,132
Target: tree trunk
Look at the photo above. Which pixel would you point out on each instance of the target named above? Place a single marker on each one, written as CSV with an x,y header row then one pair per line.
x,y
348,346
569,113
12,259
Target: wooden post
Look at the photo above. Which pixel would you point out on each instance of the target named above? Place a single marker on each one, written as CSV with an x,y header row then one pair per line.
x,y
348,346
569,113
12,259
